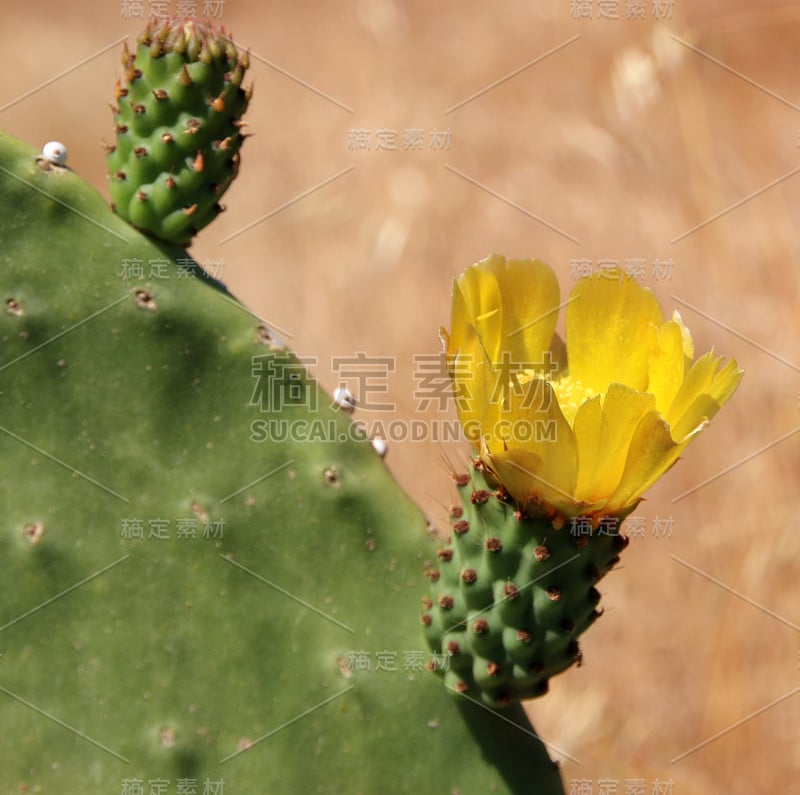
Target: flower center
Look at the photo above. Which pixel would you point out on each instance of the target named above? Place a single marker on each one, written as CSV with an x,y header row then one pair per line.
x,y
571,395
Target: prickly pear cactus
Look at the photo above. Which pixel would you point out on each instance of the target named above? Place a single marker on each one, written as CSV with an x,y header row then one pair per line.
x,y
177,125
511,594
186,605
566,441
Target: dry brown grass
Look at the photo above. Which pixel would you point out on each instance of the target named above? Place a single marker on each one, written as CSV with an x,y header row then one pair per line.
x,y
625,139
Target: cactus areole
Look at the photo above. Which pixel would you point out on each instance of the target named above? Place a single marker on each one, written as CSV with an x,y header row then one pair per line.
x,y
178,128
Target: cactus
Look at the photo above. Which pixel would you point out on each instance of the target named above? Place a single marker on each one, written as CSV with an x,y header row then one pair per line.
x,y
232,648
177,124
565,446
511,594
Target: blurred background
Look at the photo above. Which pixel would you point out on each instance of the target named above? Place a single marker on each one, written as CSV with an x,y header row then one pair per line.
x,y
396,143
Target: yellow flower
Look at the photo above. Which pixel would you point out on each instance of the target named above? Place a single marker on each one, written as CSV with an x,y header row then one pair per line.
x,y
590,439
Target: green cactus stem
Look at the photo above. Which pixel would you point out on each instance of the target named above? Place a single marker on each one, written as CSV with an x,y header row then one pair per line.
x,y
178,128
510,594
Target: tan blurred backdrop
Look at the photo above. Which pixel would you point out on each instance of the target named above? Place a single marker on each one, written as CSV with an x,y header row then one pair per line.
x,y
540,129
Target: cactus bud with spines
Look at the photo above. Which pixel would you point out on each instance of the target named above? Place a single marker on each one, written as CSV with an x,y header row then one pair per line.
x,y
511,594
177,121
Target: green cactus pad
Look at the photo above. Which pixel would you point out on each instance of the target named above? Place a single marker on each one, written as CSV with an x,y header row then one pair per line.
x,y
183,600
177,124
510,595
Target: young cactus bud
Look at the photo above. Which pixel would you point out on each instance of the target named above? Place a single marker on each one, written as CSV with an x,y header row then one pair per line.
x,y
510,594
177,119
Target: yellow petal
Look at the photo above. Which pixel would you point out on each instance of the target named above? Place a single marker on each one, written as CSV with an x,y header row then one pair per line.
x,y
473,384
523,475
603,435
475,317
651,453
588,430
608,322
530,310
667,362
512,304
503,317
686,336
532,448
476,313
707,387
518,471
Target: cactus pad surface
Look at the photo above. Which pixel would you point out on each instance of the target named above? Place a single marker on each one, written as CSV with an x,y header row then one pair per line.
x,y
179,602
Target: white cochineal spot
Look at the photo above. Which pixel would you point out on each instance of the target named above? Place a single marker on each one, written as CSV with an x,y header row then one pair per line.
x,y
54,152
344,399
380,446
